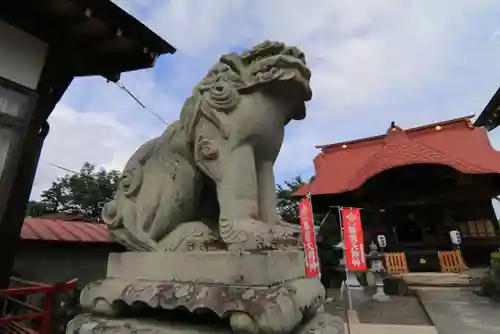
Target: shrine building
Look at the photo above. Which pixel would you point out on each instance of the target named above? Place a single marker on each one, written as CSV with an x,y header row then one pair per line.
x,y
415,186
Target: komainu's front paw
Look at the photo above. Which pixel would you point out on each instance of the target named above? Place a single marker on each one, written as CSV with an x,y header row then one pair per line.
x,y
246,234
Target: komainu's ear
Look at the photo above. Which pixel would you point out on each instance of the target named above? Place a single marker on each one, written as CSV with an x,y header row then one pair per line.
x,y
208,148
206,156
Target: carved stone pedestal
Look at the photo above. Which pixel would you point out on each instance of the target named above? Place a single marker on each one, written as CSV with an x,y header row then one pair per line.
x,y
258,292
93,324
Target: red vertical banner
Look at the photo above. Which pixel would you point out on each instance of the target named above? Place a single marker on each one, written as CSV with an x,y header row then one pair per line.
x,y
355,257
309,237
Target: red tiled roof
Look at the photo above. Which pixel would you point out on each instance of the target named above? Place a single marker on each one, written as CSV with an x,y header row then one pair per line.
x,y
61,230
456,143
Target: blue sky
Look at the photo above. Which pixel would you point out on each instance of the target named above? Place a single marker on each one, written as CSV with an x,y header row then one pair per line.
x,y
373,62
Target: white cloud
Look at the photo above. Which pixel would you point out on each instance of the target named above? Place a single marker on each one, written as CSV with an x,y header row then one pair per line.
x,y
79,137
372,62
362,53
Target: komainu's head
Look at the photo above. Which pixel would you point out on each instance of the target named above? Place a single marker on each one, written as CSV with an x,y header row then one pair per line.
x,y
270,67
274,63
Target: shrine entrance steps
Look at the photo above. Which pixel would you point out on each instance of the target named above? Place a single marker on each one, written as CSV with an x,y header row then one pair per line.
x,y
468,278
436,279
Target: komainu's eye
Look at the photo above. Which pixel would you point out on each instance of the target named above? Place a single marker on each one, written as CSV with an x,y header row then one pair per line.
x,y
127,179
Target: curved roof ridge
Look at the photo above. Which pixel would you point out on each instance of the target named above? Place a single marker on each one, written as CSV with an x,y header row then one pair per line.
x,y
409,130
382,151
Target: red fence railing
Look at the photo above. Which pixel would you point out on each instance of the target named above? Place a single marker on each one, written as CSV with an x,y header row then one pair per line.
x,y
19,316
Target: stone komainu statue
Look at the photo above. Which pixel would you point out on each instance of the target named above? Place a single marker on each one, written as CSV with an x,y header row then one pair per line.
x,y
210,174
208,182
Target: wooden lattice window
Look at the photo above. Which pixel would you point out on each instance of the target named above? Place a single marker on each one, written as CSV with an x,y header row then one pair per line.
x,y
477,229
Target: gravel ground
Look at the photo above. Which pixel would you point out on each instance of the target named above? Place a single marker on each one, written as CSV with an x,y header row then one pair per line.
x,y
401,310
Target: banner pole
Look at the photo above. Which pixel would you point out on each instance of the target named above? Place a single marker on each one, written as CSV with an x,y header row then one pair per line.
x,y
345,259
326,216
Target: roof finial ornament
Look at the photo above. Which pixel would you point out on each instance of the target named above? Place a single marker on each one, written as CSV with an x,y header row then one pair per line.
x,y
394,127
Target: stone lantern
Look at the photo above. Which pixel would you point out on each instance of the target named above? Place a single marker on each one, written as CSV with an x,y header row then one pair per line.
x,y
378,271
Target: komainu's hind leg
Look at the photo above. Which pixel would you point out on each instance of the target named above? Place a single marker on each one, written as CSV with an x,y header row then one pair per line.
x,y
191,236
130,241
169,196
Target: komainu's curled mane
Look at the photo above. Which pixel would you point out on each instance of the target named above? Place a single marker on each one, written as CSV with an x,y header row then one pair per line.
x,y
210,174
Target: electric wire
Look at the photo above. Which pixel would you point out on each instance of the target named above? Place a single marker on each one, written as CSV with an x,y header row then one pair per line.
x,y
126,90
136,99
100,204
142,105
59,167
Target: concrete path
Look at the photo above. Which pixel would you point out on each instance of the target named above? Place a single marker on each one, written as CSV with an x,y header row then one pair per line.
x,y
391,329
457,311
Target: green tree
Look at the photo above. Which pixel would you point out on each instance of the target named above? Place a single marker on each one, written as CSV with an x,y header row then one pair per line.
x,y
82,193
287,204
37,209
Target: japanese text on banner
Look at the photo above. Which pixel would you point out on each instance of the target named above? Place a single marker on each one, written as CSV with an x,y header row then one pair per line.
x,y
309,238
353,239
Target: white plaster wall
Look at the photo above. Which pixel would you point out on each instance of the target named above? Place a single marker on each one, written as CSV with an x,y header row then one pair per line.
x,y
21,56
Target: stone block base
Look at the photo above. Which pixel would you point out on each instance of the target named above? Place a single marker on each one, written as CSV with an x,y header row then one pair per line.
x,y
215,267
91,324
